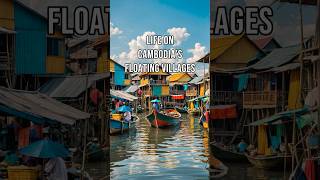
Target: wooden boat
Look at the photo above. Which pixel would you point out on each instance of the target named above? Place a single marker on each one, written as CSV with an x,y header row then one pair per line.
x,y
168,117
195,112
267,161
227,155
180,110
119,126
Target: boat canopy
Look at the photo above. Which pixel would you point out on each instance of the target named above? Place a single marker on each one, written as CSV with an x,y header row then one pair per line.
x,y
37,107
199,98
122,95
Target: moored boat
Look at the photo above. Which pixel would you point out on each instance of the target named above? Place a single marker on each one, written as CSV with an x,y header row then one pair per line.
x,y
227,155
267,161
119,126
168,117
180,110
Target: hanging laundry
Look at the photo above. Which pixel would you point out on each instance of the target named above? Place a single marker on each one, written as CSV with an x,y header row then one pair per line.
x,y
23,137
243,81
310,169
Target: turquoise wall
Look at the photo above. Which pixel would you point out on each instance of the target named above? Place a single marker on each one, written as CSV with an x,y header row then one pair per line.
x,y
118,74
31,42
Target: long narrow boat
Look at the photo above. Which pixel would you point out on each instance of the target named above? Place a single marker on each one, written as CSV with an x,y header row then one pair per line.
x,y
168,117
118,126
267,162
227,155
180,110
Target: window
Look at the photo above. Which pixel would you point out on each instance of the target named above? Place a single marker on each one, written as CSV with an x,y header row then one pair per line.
x,y
55,47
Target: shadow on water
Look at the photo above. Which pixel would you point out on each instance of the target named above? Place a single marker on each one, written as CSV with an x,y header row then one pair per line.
x,y
173,153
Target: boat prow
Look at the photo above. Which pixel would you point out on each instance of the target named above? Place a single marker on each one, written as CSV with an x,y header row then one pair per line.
x,y
227,155
169,117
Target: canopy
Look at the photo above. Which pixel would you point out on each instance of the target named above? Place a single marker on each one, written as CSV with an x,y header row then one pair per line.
x,y
282,115
156,101
122,95
45,149
197,98
70,86
132,89
37,107
124,109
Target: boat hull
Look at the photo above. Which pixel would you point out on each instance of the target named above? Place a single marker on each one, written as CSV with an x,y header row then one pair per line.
x,y
226,155
162,121
266,162
118,127
180,110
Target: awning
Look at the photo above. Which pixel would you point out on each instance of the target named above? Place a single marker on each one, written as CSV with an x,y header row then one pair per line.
x,y
177,97
197,98
286,67
279,116
6,31
38,107
307,119
223,112
132,89
122,95
70,86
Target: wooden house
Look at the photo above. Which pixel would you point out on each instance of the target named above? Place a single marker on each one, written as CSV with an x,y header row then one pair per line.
x,y
37,55
154,85
7,43
118,77
178,83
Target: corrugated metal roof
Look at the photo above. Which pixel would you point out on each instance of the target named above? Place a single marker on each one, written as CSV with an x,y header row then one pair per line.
x,y
276,58
4,30
221,44
70,86
37,107
286,67
177,76
132,89
196,80
122,95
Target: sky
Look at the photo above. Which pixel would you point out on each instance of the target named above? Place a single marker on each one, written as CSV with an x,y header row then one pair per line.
x,y
285,19
132,20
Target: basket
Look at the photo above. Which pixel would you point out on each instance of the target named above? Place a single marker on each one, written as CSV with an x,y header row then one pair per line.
x,y
23,173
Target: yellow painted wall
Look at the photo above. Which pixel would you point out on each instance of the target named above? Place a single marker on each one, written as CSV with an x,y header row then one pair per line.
x,y
237,56
55,65
165,91
127,82
102,63
294,90
202,90
144,82
111,66
7,14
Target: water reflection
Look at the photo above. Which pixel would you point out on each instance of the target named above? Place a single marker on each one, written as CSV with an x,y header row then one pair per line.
x,y
175,153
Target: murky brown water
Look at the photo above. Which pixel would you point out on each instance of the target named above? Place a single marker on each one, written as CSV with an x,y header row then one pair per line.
x,y
175,153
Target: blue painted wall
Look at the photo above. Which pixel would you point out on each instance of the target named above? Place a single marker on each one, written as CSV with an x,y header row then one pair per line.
x,y
118,74
31,42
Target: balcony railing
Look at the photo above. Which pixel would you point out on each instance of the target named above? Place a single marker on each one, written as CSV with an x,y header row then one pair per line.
x,y
177,92
191,93
226,97
156,82
267,99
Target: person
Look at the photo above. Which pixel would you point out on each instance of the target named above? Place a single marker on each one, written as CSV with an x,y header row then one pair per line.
x,y
56,169
242,146
156,106
127,116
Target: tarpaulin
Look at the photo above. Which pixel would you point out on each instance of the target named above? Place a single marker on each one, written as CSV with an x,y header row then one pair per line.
x,y
262,140
294,90
177,97
243,81
223,112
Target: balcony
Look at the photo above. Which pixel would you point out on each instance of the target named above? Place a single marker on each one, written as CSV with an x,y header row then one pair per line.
x,y
260,99
226,97
177,92
191,93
